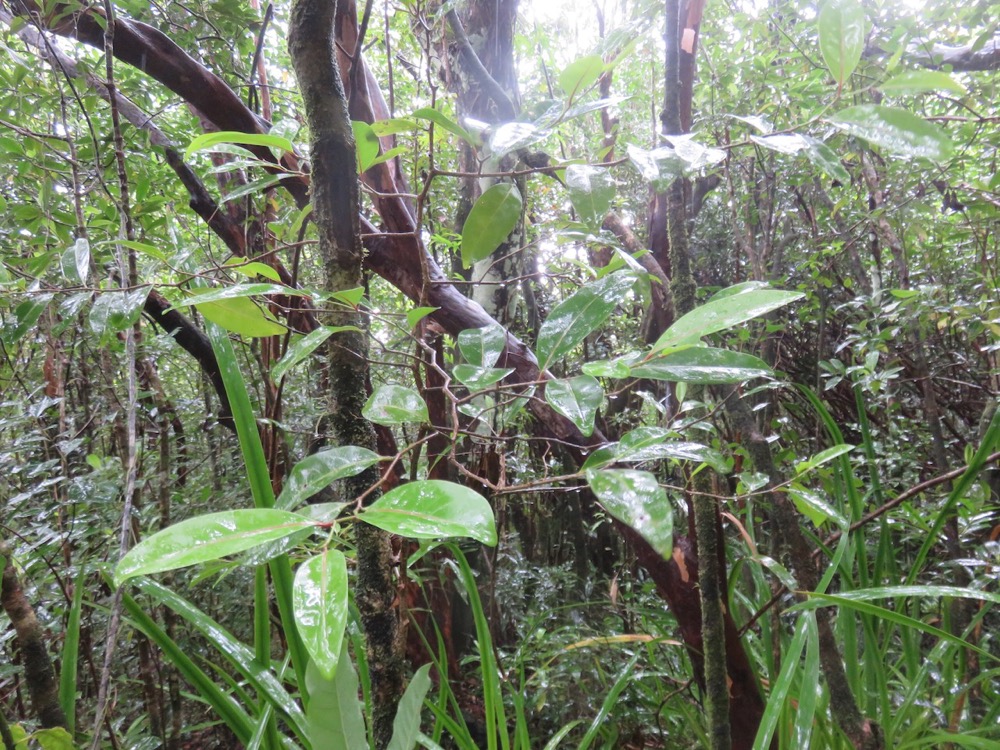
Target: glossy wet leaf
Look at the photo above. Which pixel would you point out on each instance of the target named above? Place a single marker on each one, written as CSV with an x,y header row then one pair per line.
x,y
581,74
240,315
823,457
482,346
703,364
659,166
636,499
918,81
76,261
655,443
316,472
577,399
721,313
302,347
591,190
208,537
783,143
334,714
827,160
841,37
26,314
576,317
490,222
514,136
115,311
815,507
896,130
366,143
478,378
406,725
395,404
319,600
609,368
236,291
433,509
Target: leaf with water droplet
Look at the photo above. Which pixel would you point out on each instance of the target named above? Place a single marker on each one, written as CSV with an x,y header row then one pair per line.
x,y
636,499
316,472
433,509
205,538
395,404
319,602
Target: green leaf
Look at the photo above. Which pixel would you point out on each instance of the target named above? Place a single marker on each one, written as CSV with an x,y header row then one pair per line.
x,y
367,144
205,538
253,269
636,499
576,317
514,136
896,130
823,457
581,74
659,167
393,126
406,725
482,346
721,313
428,113
303,347
208,140
918,81
395,404
53,738
783,143
237,291
76,261
26,315
814,507
260,676
240,315
824,157
841,37
336,720
591,190
417,314
319,600
577,399
817,599
433,509
654,443
316,472
490,222
703,364
115,311
479,378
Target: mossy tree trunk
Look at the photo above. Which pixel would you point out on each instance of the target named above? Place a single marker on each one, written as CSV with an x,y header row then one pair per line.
x,y
335,212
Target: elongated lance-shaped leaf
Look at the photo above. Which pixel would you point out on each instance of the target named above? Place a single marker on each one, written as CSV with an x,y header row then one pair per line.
x,y
577,399
206,538
721,313
406,725
71,653
896,130
841,37
260,677
260,485
225,707
336,721
305,346
704,365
